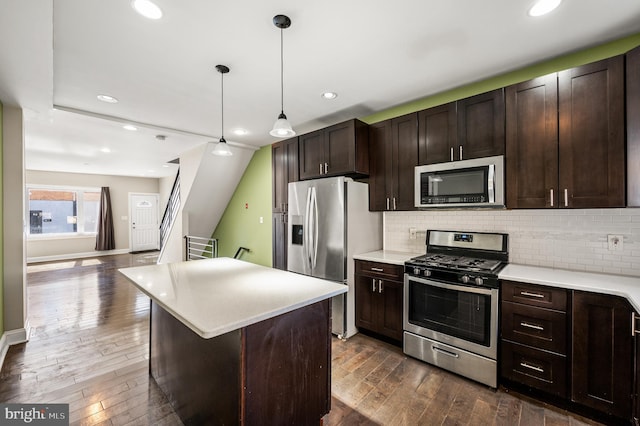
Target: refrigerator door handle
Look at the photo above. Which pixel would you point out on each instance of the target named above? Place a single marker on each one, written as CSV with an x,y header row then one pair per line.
x,y
306,234
314,230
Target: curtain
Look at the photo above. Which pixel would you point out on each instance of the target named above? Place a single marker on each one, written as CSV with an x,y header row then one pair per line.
x,y
105,239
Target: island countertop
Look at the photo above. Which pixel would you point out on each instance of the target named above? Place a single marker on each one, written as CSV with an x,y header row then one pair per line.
x,y
215,296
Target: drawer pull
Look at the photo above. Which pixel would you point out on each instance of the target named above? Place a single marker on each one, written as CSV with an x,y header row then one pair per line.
x,y
528,294
377,269
535,327
634,328
373,285
532,367
442,351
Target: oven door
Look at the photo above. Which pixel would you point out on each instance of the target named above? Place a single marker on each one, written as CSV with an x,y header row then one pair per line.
x,y
462,316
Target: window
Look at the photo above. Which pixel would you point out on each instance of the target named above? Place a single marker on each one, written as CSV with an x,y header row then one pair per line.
x,y
63,211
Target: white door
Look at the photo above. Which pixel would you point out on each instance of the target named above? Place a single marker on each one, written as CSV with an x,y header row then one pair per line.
x,y
145,228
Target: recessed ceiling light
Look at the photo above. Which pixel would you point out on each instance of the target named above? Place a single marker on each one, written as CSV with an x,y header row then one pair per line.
x,y
542,7
240,132
130,127
329,95
107,99
105,150
147,8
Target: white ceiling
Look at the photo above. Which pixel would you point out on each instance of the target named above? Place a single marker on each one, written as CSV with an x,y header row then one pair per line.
x,y
375,54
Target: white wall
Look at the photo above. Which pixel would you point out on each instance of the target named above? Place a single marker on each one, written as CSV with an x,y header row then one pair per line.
x,y
119,188
566,239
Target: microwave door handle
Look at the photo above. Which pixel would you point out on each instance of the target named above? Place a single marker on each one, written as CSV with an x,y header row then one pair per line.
x,y
491,183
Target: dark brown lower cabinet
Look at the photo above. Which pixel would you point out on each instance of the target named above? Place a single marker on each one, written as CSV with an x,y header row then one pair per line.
x,y
379,299
602,355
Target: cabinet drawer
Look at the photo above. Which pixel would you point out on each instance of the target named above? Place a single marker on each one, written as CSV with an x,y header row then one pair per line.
x,y
535,368
380,270
537,327
534,295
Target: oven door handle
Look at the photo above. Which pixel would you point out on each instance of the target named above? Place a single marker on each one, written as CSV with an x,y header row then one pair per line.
x,y
444,352
465,289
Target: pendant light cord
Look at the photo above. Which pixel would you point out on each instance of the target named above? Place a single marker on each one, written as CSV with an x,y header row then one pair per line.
x,y
222,103
281,72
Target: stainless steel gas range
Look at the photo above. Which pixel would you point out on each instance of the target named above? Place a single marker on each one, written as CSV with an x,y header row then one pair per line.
x,y
451,297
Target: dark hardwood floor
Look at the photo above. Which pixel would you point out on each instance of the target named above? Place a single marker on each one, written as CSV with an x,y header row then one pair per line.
x,y
89,348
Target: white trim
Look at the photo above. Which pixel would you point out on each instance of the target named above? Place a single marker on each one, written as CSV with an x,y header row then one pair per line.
x,y
70,256
13,337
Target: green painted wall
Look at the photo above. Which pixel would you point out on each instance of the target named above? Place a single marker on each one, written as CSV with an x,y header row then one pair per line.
x,y
558,64
240,226
1,237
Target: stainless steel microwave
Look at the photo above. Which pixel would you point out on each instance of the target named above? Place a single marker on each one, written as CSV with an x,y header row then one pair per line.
x,y
467,183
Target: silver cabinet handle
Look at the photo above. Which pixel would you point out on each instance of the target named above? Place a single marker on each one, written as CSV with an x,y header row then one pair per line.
x,y
551,196
451,153
377,269
442,351
373,285
634,329
566,198
380,286
394,203
532,367
535,327
326,168
320,168
461,152
526,293
387,203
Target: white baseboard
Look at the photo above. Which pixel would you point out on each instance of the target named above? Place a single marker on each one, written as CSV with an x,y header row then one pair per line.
x,y
70,256
13,337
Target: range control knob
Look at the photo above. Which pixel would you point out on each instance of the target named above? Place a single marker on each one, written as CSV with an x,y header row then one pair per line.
x,y
416,271
465,279
479,281
426,273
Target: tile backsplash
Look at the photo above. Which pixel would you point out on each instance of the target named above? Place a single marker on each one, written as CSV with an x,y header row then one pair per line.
x,y
566,239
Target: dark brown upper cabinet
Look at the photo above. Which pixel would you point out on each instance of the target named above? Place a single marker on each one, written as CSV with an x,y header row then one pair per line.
x,y
394,154
469,128
532,143
592,137
284,169
633,127
339,150
565,138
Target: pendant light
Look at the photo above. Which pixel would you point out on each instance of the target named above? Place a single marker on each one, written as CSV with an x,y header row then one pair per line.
x,y
222,149
282,128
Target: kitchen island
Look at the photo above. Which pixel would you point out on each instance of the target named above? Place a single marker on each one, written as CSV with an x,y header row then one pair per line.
x,y
236,343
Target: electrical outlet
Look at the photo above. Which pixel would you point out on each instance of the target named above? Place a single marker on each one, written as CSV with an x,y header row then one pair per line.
x,y
412,233
615,242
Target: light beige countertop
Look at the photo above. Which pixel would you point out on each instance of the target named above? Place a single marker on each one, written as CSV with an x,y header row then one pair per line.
x,y
618,285
386,256
215,296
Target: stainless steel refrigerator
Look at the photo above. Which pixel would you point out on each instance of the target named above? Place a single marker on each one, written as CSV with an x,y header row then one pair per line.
x,y
329,221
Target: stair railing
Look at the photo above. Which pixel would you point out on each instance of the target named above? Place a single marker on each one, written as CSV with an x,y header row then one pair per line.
x,y
170,212
200,248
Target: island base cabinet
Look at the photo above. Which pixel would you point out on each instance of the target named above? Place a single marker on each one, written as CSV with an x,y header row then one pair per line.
x,y
276,371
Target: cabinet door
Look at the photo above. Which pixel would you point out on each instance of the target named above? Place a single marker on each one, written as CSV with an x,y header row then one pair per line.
x,y
480,126
592,165
380,184
602,353
404,138
633,127
390,309
311,153
284,166
532,143
279,239
366,307
437,134
340,149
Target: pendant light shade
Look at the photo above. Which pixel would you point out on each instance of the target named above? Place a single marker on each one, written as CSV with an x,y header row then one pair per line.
x,y
282,128
221,148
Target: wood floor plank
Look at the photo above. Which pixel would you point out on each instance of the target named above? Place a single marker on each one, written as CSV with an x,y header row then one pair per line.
x,y
89,348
